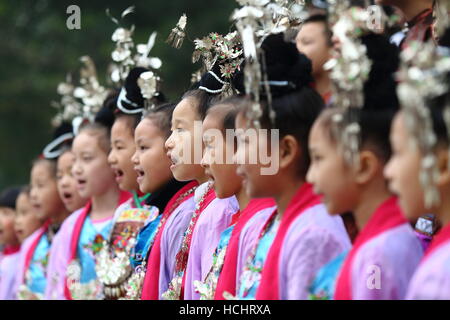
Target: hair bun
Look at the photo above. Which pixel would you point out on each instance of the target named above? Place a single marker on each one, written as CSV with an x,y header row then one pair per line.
x,y
380,88
283,64
130,97
9,196
212,81
444,41
64,127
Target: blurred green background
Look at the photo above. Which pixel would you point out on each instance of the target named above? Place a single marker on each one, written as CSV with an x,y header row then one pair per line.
x,y
37,51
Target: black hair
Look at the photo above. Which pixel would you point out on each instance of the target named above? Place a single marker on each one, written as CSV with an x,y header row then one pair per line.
x,y
134,99
105,116
161,116
296,105
229,109
63,129
437,106
26,189
324,20
444,40
204,100
9,196
380,98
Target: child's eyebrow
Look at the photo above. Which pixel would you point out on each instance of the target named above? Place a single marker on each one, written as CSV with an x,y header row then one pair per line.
x,y
140,140
178,121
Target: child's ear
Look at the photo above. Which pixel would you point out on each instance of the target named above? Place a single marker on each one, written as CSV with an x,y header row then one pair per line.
x,y
443,166
369,166
289,149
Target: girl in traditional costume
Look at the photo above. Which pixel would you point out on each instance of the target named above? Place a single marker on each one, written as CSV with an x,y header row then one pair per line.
x,y
419,169
212,216
220,167
154,176
32,269
26,221
177,208
113,264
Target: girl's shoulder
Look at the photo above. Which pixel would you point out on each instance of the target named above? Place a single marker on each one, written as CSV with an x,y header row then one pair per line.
x,y
69,223
317,222
395,242
397,250
31,239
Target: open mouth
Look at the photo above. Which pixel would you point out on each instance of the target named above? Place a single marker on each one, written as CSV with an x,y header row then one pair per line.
x,y
81,183
67,196
209,176
118,173
140,173
173,160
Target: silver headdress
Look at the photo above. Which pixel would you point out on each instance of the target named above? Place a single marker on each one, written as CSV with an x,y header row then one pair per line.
x,y
149,84
78,104
256,20
222,52
123,56
89,92
423,76
68,107
350,68
125,59
177,35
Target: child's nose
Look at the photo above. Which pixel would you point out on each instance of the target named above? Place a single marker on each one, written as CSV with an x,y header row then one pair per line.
x,y
112,158
135,158
169,143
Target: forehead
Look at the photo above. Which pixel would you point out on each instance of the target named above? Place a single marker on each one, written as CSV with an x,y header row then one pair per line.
x,y
311,28
398,130
319,138
41,168
185,111
212,121
147,129
23,199
66,158
86,141
122,127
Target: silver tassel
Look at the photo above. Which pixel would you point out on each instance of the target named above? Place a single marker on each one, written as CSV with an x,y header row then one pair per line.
x,y
178,33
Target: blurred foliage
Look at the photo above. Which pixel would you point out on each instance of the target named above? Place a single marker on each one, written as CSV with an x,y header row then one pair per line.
x,y
37,51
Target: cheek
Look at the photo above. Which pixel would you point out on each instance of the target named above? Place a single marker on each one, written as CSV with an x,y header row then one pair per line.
x,y
124,157
154,160
157,167
50,194
409,187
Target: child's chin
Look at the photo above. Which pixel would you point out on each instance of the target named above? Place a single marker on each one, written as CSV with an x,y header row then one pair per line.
x,y
181,175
